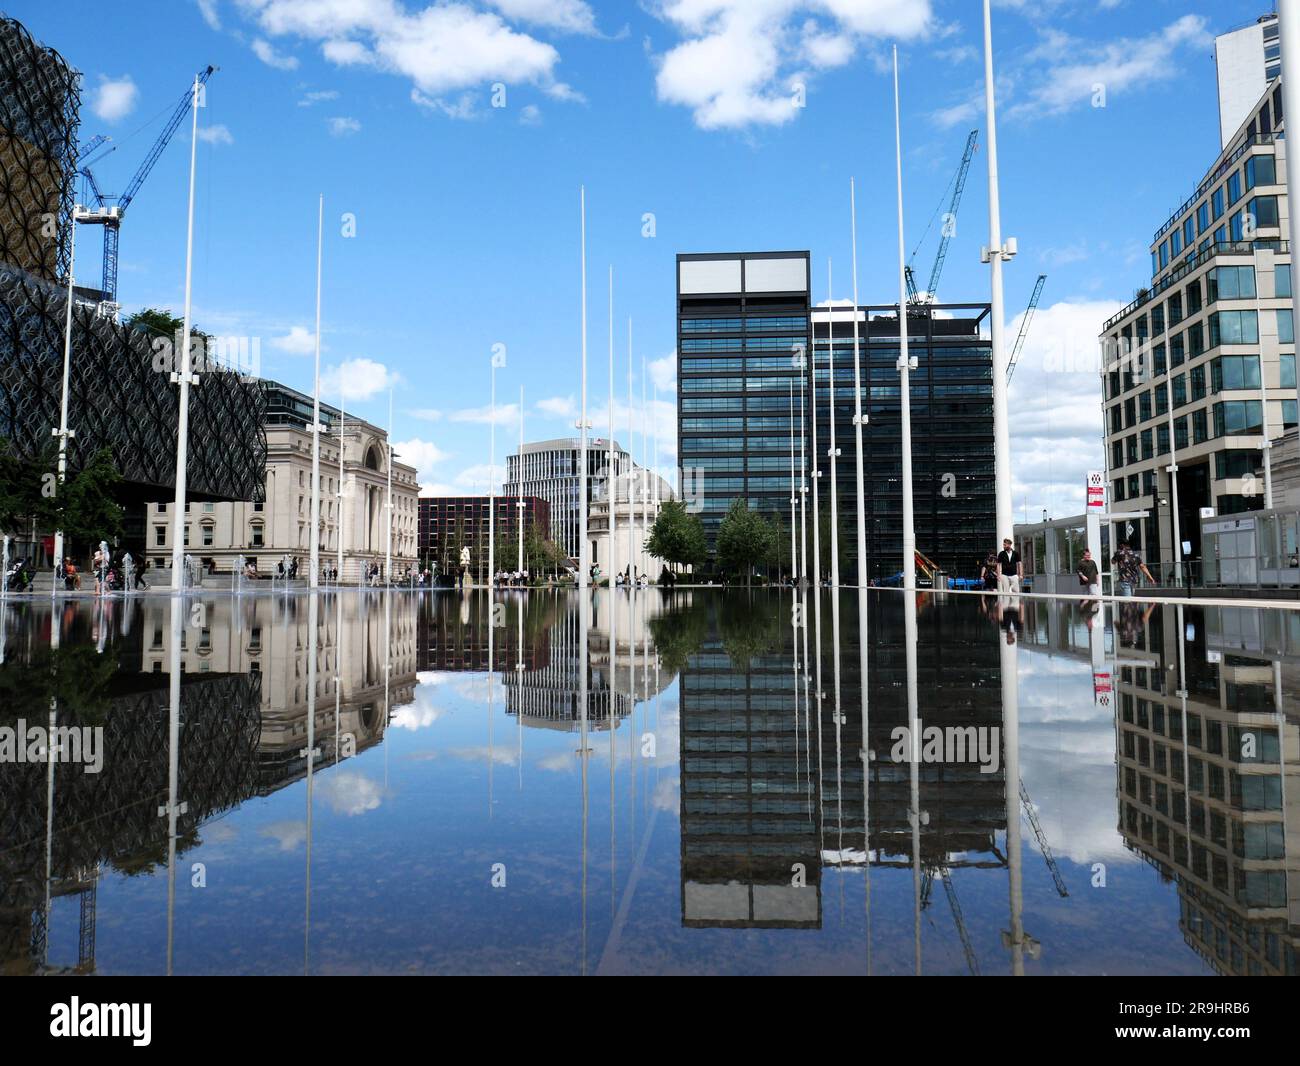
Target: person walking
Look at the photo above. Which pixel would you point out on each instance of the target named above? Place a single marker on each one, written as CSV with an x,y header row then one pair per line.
x,y
989,572
140,582
1129,568
1010,569
1088,576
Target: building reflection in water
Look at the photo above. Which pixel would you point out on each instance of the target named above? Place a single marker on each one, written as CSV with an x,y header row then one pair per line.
x,y
202,708
791,801
773,748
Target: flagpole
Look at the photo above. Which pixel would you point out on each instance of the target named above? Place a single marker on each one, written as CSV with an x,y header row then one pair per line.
x,y
610,483
858,418
904,365
314,535
582,424
994,255
388,506
519,480
631,480
185,376
832,449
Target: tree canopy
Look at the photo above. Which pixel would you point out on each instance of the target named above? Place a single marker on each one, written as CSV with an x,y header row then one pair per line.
x,y
677,537
745,540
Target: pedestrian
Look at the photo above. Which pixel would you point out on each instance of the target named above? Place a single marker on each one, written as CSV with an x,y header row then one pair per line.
x,y
99,565
1010,569
1129,568
1088,576
139,575
989,572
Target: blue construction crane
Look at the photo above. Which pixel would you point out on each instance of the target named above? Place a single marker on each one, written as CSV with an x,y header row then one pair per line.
x,y
112,208
958,186
1024,325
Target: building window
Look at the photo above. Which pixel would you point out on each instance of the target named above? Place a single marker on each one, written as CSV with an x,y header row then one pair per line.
x,y
1286,370
1264,210
1238,372
1285,328
1282,280
207,536
160,536
1216,203
257,535
1234,187
1260,170
1231,283
1203,217
1200,431
1236,416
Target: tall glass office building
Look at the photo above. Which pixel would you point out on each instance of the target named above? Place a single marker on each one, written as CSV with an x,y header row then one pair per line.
x,y
742,322
952,434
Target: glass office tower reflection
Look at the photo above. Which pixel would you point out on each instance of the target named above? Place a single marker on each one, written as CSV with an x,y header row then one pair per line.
x,y
649,781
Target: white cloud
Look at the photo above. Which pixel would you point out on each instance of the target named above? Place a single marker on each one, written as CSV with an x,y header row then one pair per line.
x,y
349,793
558,407
476,479
208,9
1055,406
740,58
1079,68
298,341
317,97
218,134
506,414
566,16
530,115
663,373
443,47
359,379
115,98
465,106
424,455
268,55
343,126
426,414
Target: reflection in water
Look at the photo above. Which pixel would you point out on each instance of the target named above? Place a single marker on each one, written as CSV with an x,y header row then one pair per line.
x,y
768,722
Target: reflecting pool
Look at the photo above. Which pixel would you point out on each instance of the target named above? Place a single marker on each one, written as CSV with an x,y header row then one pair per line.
x,y
647,782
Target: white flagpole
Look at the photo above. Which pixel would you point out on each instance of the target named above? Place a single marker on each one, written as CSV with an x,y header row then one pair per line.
x,y
631,479
816,474
314,533
388,549
610,482
583,564
794,531
63,433
904,366
832,449
185,375
994,254
519,480
803,481
339,523
645,502
492,462
858,418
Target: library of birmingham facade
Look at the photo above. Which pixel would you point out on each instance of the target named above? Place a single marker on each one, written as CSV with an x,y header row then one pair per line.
x,y
744,321
117,399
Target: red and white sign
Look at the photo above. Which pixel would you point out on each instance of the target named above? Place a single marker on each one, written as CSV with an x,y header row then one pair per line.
x,y
1101,685
1096,491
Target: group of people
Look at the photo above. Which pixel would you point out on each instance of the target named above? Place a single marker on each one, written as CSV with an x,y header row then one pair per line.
x,y
510,579
1004,571
628,579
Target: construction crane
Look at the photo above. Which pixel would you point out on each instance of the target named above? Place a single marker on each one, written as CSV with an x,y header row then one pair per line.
x,y
1024,326
958,186
927,886
112,208
1041,837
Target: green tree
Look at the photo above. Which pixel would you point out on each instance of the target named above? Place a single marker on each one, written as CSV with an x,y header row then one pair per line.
x,y
27,488
160,323
744,540
86,507
677,537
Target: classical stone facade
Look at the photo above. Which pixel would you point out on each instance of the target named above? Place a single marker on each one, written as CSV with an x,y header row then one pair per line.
x,y
218,534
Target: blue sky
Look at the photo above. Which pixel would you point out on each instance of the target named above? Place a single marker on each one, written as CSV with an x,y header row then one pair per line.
x,y
467,214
